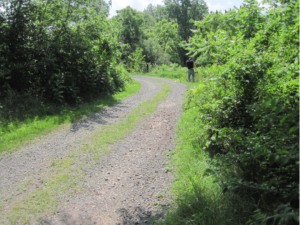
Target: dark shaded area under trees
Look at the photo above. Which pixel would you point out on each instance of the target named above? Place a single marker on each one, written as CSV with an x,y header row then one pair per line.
x,y
55,52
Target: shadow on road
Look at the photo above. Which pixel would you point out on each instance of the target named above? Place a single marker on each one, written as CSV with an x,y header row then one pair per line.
x,y
137,216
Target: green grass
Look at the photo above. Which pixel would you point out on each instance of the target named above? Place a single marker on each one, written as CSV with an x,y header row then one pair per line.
x,y
198,199
17,132
173,72
67,174
110,134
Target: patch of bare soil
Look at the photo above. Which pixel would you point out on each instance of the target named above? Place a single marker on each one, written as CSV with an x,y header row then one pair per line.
x,y
130,185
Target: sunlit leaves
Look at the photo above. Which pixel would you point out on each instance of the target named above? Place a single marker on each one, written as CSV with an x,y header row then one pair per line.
x,y
250,104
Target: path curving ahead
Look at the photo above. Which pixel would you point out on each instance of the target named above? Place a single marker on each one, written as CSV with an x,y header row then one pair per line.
x,y
129,185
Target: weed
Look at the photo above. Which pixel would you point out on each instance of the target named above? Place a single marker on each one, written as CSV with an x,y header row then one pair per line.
x,y
160,195
168,169
155,203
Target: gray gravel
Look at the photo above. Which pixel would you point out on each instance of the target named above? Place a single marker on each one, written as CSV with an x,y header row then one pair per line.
x,y
127,186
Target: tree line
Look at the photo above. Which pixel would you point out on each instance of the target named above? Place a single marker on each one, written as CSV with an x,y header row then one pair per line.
x,y
61,51
66,51
153,36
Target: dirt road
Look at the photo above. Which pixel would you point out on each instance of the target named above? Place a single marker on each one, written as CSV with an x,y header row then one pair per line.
x,y
128,185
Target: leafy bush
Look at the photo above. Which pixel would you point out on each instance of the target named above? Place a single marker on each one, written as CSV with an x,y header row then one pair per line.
x,y
250,107
57,51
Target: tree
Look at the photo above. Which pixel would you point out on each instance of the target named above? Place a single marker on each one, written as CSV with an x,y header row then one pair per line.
x,y
131,31
157,12
59,50
154,53
166,32
183,11
136,58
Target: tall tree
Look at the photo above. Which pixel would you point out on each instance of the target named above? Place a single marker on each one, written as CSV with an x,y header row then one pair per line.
x,y
166,32
183,11
131,27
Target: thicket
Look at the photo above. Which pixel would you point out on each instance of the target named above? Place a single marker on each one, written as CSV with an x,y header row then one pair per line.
x,y
248,111
54,54
60,52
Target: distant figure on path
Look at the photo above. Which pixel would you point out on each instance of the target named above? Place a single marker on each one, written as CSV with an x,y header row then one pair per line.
x,y
190,66
147,68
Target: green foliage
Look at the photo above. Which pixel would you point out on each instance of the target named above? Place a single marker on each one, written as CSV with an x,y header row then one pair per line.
x,y
130,30
26,118
183,11
161,46
136,59
166,32
250,108
57,51
157,30
171,71
199,200
154,52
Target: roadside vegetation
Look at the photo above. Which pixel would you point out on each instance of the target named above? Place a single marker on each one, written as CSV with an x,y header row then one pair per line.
x,y
45,118
58,58
237,158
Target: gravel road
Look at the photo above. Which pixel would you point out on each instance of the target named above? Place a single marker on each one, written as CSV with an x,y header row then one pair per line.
x,y
129,185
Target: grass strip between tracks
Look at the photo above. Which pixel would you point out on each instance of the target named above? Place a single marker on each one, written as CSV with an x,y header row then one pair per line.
x,y
67,175
18,133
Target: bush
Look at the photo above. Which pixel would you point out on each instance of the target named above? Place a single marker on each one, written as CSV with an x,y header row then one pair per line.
x,y
58,58
250,107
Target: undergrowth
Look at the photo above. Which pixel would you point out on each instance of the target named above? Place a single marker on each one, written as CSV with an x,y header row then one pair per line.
x,y
198,199
173,71
237,161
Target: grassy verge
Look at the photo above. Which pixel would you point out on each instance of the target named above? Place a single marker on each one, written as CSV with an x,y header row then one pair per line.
x,y
17,132
173,72
67,175
198,199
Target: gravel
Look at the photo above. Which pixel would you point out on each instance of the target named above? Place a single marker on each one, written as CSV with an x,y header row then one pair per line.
x,y
130,185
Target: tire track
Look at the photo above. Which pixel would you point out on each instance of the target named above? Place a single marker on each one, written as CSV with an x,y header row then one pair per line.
x,y
33,163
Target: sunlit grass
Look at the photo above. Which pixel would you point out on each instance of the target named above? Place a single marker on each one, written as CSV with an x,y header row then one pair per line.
x,y
198,198
111,133
17,133
176,73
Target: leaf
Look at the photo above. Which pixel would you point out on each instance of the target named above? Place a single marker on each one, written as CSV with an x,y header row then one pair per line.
x,y
213,137
279,109
270,221
277,220
293,129
273,158
284,118
267,102
283,160
274,102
